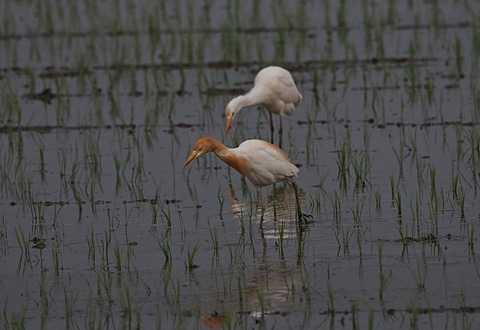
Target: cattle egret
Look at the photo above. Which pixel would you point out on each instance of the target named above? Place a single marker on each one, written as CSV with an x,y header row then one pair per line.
x,y
274,88
260,161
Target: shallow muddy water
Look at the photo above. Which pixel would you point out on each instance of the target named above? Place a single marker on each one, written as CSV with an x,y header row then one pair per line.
x,y
101,227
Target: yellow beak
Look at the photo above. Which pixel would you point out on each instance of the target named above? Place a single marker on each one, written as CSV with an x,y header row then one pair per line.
x,y
229,122
192,157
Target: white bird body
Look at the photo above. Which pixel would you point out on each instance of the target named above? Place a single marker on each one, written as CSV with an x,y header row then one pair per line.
x,y
274,88
267,163
261,162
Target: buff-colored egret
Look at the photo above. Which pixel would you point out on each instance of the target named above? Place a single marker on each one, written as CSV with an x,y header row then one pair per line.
x,y
274,88
260,161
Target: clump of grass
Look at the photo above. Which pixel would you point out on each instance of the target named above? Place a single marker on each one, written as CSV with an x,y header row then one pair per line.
x,y
70,300
398,202
45,301
24,244
91,247
419,274
344,159
14,320
385,277
117,255
165,248
354,312
361,169
343,239
215,242
337,207
192,190
56,257
330,298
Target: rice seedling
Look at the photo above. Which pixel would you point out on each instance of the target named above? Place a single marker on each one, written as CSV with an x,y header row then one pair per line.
x,y
354,313
104,249
281,237
343,163
378,199
165,248
57,260
462,193
192,190
175,293
154,207
221,200
403,232
105,286
236,252
330,298
10,103
412,72
413,309
214,237
337,207
38,213
471,239
130,254
166,216
91,247
343,239
384,277
378,37
8,25
357,213
18,319
459,137
126,301
396,197
117,255
70,300
432,172
301,242
44,301
261,298
408,70
361,169
400,155
24,244
419,275
3,235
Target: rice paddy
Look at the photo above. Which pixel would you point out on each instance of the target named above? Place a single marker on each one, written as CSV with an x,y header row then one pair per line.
x,y
101,227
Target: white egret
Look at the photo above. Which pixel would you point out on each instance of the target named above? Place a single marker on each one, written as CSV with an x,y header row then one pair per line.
x,y
274,88
260,161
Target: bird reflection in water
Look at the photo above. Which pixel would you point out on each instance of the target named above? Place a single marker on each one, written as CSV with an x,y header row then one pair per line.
x,y
280,204
216,320
273,289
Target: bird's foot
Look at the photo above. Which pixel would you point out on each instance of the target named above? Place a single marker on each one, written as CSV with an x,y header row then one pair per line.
x,y
304,217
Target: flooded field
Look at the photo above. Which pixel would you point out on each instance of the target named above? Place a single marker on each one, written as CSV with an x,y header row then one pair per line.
x,y
101,227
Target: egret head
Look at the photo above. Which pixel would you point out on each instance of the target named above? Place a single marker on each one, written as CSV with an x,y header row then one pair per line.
x,y
200,148
229,113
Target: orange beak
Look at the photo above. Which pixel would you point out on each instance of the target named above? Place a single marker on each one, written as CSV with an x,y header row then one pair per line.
x,y
229,122
192,157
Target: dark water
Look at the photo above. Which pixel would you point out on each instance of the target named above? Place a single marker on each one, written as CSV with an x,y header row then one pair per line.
x,y
100,106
